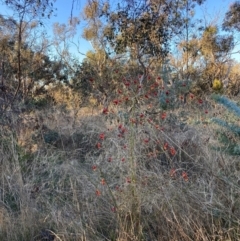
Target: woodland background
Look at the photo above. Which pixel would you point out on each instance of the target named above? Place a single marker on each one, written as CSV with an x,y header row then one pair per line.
x,y
139,140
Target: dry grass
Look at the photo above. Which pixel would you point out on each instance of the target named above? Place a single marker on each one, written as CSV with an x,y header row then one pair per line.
x,y
68,189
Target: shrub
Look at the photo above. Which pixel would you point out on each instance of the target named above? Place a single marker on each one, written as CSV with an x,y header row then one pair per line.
x,y
229,137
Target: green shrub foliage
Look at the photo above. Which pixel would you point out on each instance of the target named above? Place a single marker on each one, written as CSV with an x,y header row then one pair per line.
x,y
230,137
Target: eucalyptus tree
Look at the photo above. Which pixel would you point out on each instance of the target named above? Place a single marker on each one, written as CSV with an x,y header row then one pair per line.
x,y
27,14
209,58
145,29
232,17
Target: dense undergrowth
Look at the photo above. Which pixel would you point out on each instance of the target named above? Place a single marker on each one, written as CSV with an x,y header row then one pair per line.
x,y
146,167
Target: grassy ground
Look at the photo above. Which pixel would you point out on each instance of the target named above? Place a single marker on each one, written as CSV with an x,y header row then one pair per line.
x,y
110,177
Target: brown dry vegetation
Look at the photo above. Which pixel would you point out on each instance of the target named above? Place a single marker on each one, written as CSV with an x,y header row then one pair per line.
x,y
121,145
56,185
